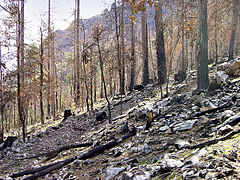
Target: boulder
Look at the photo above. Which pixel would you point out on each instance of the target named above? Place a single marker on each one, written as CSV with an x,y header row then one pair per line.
x,y
221,77
233,67
67,113
213,85
181,144
138,87
147,149
101,116
223,66
9,141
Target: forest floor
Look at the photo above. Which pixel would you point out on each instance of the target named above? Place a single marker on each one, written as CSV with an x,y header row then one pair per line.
x,y
170,148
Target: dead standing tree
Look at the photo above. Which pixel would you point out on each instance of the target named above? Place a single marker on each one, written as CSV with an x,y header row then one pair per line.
x,y
97,32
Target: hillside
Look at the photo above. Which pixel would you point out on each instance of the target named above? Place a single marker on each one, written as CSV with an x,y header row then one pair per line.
x,y
194,135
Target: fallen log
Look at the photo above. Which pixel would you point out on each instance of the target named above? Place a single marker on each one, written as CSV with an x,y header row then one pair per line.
x,y
54,153
212,141
100,149
34,170
51,168
41,171
227,105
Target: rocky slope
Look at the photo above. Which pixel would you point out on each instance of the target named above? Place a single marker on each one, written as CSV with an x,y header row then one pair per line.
x,y
194,135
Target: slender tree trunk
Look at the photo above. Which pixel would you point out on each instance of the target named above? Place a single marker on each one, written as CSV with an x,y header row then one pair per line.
x,y
184,60
41,79
103,81
91,84
49,60
234,28
84,68
161,58
215,32
1,108
78,52
118,47
145,79
202,54
20,70
122,83
133,61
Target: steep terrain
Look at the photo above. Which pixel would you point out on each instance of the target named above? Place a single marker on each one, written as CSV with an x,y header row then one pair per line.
x,y
194,135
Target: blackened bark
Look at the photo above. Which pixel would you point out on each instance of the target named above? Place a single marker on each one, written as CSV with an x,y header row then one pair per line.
x,y
161,58
234,28
145,80
202,55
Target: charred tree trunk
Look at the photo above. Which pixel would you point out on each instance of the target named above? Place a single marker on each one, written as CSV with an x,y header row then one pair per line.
x,y
77,52
234,28
41,80
133,61
97,38
145,79
118,47
202,55
1,98
122,83
161,58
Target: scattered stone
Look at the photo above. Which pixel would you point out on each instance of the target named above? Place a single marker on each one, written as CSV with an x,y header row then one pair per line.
x,y
225,129
16,150
213,85
101,116
147,149
181,144
187,125
163,128
226,114
9,141
234,65
111,172
199,154
124,129
222,77
168,164
138,87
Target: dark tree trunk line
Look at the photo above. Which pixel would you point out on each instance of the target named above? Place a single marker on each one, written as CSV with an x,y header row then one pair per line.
x,y
202,46
161,58
236,10
133,61
145,77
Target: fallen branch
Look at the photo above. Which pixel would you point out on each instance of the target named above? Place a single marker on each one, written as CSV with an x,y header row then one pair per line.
x,y
51,168
41,171
54,153
232,121
34,170
123,101
104,147
227,105
213,141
